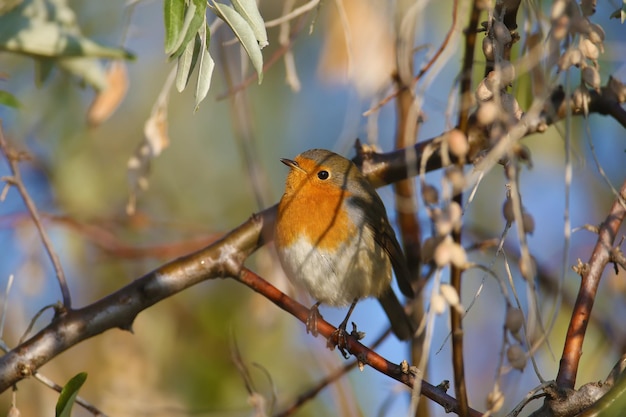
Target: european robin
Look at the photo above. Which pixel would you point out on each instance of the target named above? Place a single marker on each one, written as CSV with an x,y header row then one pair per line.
x,y
334,239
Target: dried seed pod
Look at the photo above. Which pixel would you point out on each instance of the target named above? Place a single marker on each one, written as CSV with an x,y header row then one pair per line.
x,y
589,49
511,106
489,48
573,57
501,33
580,98
14,412
487,113
528,223
430,195
442,253
516,357
514,320
596,34
457,143
449,293
456,178
438,304
528,268
580,24
484,91
588,7
507,211
591,77
458,256
507,73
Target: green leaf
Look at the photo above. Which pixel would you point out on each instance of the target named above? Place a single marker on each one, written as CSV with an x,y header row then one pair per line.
x,y
68,395
43,68
249,10
8,99
207,65
186,64
174,16
194,18
89,70
244,33
31,30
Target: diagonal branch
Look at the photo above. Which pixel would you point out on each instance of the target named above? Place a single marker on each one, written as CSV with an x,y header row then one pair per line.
x,y
600,257
118,310
361,352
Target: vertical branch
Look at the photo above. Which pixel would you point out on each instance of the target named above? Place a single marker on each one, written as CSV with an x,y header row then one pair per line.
x,y
591,275
13,157
408,223
455,272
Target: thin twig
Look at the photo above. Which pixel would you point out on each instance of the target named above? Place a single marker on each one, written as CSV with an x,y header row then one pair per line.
x,y
13,158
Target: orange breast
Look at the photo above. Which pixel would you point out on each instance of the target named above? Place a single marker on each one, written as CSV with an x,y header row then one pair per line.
x,y
315,213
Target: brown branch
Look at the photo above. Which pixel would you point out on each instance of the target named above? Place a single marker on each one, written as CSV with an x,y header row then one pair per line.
x,y
600,257
456,319
361,352
13,158
119,309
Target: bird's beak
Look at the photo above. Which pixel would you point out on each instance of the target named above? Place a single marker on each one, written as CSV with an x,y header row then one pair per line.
x,y
292,164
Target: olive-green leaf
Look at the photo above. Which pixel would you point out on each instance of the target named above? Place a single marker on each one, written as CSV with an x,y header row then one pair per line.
x,y
249,10
186,63
68,395
195,15
174,16
244,33
88,70
8,99
207,65
31,30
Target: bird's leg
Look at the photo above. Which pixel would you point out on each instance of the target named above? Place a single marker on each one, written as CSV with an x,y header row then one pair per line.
x,y
339,337
311,321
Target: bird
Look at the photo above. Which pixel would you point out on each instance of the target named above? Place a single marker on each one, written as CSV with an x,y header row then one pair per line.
x,y
334,239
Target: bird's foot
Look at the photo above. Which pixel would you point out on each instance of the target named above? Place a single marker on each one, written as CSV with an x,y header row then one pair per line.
x,y
339,338
311,321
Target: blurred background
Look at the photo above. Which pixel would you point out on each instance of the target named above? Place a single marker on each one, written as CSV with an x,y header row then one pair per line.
x,y
222,165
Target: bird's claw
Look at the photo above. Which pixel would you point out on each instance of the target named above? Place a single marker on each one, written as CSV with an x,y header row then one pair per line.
x,y
339,338
311,321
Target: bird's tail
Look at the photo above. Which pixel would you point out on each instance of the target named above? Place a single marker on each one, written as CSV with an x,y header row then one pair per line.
x,y
400,323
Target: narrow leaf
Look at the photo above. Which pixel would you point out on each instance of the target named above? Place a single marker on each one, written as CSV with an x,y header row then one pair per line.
x,y
68,395
194,17
185,65
249,10
207,65
174,16
8,99
244,33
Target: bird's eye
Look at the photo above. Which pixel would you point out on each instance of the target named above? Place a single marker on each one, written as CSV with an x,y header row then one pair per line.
x,y
323,175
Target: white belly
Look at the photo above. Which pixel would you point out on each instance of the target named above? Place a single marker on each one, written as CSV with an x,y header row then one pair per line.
x,y
357,272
